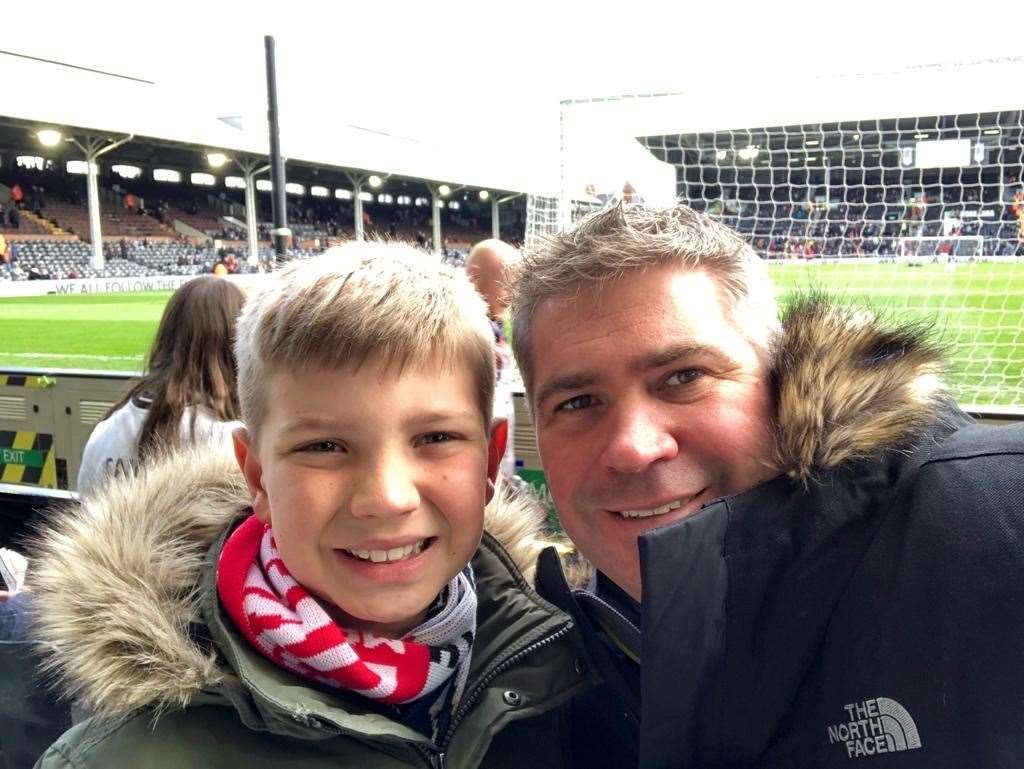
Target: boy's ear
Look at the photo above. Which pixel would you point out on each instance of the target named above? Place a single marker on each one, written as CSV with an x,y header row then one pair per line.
x,y
496,448
252,470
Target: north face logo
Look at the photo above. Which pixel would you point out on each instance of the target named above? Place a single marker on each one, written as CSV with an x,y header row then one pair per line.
x,y
875,726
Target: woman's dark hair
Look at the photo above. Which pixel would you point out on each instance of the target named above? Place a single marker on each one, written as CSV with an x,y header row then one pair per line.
x,y
191,362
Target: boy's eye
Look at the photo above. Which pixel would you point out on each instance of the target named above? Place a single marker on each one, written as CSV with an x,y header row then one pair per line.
x,y
576,403
323,447
685,376
433,438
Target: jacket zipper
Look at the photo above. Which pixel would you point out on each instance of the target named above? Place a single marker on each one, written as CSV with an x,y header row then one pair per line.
x,y
435,759
470,700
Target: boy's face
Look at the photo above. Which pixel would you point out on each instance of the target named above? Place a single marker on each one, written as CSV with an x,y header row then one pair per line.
x,y
375,484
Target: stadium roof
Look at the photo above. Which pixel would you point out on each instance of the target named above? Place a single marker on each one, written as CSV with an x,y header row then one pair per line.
x,y
38,93
773,98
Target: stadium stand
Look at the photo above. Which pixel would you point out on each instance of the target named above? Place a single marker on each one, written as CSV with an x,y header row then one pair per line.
x,y
138,218
121,223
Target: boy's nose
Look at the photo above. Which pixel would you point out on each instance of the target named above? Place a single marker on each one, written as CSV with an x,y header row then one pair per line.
x,y
386,489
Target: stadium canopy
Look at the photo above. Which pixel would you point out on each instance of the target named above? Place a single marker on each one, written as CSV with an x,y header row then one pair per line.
x,y
791,97
36,95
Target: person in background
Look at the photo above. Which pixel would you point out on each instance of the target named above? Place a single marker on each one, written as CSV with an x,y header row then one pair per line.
x,y
488,266
188,392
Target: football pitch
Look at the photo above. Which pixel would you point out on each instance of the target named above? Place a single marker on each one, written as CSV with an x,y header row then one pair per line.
x,y
978,311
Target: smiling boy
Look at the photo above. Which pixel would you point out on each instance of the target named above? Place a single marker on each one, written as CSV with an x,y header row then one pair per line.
x,y
343,606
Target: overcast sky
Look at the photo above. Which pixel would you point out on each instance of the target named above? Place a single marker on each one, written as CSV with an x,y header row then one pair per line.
x,y
488,76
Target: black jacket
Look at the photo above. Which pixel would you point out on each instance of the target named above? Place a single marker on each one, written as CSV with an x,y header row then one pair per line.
x,y
863,609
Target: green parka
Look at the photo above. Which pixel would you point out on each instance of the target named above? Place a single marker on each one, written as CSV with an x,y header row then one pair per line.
x,y
126,596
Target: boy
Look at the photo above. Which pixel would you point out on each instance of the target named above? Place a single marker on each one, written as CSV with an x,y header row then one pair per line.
x,y
339,608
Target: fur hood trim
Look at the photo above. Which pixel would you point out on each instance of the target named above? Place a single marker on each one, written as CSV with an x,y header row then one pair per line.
x,y
116,579
850,384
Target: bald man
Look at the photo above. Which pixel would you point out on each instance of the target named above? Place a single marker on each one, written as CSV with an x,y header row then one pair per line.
x,y
488,266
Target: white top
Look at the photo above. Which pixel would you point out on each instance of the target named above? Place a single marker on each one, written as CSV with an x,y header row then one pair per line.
x,y
112,448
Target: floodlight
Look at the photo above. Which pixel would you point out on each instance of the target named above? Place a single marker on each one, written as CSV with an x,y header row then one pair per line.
x,y
375,181
721,154
216,159
749,152
444,189
484,194
49,137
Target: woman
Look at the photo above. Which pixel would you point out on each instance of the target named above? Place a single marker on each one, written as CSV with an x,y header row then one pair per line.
x,y
188,391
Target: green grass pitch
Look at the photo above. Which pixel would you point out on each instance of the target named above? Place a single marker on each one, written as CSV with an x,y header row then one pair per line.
x,y
109,332
978,310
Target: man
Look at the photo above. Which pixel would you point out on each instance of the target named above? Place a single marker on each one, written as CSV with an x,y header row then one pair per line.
x,y
488,266
824,554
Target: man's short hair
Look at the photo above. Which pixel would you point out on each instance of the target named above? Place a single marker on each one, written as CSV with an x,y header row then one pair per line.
x,y
616,240
360,301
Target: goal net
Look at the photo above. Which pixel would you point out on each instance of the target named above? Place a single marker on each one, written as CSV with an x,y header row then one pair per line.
x,y
921,214
935,249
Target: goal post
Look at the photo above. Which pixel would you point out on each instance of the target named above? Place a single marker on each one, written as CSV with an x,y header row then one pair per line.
x,y
939,248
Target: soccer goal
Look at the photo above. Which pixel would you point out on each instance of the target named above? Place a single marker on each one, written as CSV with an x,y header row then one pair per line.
x,y
901,190
940,249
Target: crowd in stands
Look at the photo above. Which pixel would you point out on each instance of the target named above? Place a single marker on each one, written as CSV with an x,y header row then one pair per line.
x,y
45,228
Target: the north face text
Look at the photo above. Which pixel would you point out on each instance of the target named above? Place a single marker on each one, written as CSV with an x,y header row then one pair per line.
x,y
879,725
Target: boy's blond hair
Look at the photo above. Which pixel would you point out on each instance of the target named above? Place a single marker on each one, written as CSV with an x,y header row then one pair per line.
x,y
362,301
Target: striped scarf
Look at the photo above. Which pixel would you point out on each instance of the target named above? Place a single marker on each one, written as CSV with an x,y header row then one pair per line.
x,y
286,624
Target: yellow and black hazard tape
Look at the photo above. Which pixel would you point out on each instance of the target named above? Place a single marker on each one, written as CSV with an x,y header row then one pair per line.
x,y
27,457
30,382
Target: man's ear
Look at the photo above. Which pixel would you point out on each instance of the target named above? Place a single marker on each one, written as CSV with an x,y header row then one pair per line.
x,y
495,451
252,470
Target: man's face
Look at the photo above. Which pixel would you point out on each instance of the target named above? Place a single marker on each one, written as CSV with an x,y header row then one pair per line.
x,y
375,485
649,403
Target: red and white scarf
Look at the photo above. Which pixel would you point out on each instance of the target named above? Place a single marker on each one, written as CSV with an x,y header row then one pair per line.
x,y
286,624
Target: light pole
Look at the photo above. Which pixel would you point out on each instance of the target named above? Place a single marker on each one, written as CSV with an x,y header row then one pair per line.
x,y
280,233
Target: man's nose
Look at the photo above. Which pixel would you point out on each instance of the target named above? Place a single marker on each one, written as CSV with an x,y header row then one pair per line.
x,y
637,439
387,488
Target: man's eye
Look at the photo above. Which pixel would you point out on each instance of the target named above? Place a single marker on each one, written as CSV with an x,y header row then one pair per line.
x,y
430,439
686,376
323,447
576,403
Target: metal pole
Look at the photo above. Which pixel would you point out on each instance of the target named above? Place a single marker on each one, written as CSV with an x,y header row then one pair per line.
x,y
357,209
251,171
93,195
564,203
92,150
281,234
495,220
434,200
356,180
250,219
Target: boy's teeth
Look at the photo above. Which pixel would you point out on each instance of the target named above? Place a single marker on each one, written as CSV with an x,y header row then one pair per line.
x,y
652,512
394,554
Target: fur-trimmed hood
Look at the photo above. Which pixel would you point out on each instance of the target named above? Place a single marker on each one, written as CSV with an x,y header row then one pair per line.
x,y
850,384
117,577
